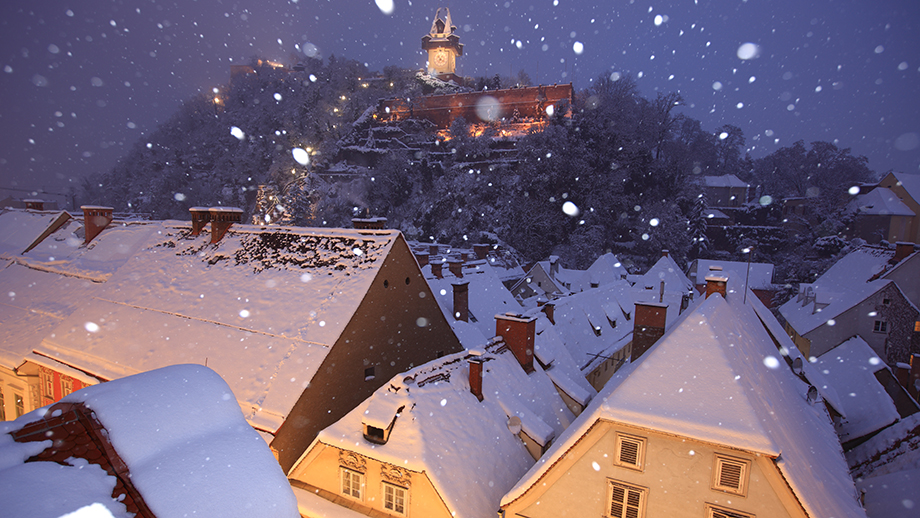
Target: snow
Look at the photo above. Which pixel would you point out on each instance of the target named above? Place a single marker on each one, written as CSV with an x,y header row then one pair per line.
x,y
665,269
893,495
894,449
728,180
850,368
180,432
20,228
760,277
705,380
880,202
312,505
463,445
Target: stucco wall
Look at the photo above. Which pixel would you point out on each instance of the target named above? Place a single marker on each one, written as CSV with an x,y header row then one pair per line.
x,y
677,477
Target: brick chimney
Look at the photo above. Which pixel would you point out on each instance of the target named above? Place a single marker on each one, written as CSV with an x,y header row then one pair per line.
x,y
664,253
221,220
481,249
715,284
95,219
456,267
422,258
648,326
462,301
902,250
200,217
902,374
518,334
476,374
550,310
436,270
433,249
34,204
369,223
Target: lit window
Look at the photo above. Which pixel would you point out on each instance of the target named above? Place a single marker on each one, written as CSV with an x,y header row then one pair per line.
x,y
2,407
394,498
730,474
352,483
719,512
630,451
20,405
626,501
917,326
880,326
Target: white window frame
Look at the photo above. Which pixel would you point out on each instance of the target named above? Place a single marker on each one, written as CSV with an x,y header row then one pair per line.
x,y
640,443
347,480
713,511
391,505
642,493
725,460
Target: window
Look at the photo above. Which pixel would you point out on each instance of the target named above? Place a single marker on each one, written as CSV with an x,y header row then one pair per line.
x,y
626,501
66,385
2,407
20,404
630,451
880,326
886,301
369,373
917,326
718,512
352,483
394,498
48,385
730,475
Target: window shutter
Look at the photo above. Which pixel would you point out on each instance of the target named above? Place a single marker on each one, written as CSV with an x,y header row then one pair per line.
x,y
625,501
730,475
629,452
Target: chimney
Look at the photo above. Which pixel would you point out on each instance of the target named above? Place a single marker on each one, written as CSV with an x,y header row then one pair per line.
x,y
433,249
901,251
553,266
436,270
456,267
664,253
221,220
34,204
95,219
550,310
481,249
715,284
462,301
902,374
518,334
422,258
200,217
648,327
369,223
476,374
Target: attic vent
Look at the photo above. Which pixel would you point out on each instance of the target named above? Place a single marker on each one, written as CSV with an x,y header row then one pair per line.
x,y
730,475
630,451
715,512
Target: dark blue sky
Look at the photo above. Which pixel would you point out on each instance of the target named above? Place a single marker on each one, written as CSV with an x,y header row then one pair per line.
x,y
82,81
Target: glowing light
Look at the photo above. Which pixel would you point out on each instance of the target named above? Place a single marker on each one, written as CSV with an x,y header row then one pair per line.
x,y
570,209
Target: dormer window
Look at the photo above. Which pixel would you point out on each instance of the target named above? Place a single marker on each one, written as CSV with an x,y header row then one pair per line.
x,y
375,433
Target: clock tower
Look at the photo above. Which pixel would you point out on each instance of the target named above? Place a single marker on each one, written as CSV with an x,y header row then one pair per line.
x,y
442,44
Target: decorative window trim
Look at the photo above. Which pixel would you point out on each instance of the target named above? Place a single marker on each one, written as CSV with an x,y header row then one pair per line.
x,y
713,511
352,461
395,475
394,505
720,463
628,441
348,480
627,497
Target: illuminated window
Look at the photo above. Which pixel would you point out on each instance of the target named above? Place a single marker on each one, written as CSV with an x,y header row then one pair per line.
x,y
394,498
2,407
352,483
917,326
730,474
630,451
880,326
20,404
626,501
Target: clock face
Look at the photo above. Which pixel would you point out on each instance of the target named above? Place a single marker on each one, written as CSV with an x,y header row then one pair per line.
x,y
440,58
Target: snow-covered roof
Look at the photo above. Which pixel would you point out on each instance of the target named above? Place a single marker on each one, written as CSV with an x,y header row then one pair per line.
x,y
464,445
850,368
911,183
605,269
277,298
20,228
879,202
665,269
714,213
180,433
717,378
728,180
760,277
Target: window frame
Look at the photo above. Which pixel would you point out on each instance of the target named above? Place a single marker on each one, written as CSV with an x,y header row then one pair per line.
x,y
640,451
352,476
20,402
718,461
640,507
725,512
880,326
2,405
395,488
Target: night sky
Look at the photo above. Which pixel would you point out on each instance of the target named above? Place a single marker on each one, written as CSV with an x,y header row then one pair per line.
x,y
82,81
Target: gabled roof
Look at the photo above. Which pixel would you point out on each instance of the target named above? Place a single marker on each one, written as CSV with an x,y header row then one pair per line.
x,y
20,228
605,269
850,368
717,377
728,180
278,299
665,269
178,432
464,445
879,202
911,184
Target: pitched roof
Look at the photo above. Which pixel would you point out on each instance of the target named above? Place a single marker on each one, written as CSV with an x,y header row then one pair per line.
x,y
759,275
464,445
717,377
183,440
879,202
728,180
665,269
911,183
